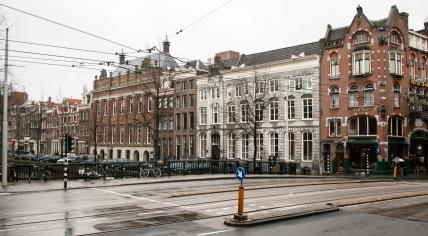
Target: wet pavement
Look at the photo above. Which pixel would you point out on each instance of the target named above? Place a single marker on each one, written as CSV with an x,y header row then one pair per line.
x,y
198,207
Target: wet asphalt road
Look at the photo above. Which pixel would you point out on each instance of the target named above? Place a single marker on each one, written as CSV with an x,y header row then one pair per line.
x,y
199,208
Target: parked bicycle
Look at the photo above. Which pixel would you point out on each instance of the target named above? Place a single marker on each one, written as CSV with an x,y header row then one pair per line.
x,y
146,169
39,172
93,171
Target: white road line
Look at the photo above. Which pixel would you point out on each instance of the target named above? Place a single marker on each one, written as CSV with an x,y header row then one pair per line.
x,y
214,232
152,212
139,198
5,194
95,219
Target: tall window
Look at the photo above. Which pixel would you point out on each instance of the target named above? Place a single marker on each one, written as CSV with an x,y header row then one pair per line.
x,y
361,63
395,63
244,112
139,134
298,83
395,126
274,110
203,140
245,143
334,66
129,133
122,105
140,104
308,81
353,96
424,68
259,111
362,126
148,135
274,85
177,121
291,108
396,95
149,104
334,98
214,111
105,134
184,121
335,128
215,92
113,134
203,115
369,95
259,87
231,113
231,145
131,105
113,106
105,107
412,67
307,108
307,146
122,134
259,140
291,84
291,146
203,94
274,144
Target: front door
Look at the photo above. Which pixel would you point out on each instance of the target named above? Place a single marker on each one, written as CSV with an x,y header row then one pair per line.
x,y
215,146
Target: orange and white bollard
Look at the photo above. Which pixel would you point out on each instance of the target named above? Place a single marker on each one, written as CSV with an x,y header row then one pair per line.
x,y
395,171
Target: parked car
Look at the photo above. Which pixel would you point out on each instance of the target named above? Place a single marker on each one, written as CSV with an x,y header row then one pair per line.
x,y
50,158
71,159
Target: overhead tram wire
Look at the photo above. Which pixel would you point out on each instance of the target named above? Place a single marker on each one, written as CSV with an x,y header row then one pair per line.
x,y
55,55
54,64
68,27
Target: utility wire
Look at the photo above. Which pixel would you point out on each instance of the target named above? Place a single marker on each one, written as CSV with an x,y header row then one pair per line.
x,y
54,64
55,55
68,27
58,60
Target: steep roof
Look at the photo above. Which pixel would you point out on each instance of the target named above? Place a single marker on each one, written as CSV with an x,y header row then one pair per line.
x,y
274,55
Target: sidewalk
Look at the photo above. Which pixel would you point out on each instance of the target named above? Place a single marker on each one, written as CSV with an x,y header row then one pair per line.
x,y
23,186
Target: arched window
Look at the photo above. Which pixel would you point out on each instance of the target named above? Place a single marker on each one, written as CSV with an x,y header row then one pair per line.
x,y
353,95
369,95
244,145
307,146
334,98
396,95
274,144
334,66
394,38
395,126
203,142
260,151
231,146
362,126
412,67
291,147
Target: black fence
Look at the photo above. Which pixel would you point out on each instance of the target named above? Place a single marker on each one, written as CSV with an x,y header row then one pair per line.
x,y
133,169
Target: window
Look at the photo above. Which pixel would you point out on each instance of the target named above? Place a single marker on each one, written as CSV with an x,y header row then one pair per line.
x,y
215,92
203,140
230,146
238,90
334,66
396,95
291,146
274,110
177,101
291,108
192,120
231,113
244,146
259,141
122,134
184,103
274,85
412,67
259,111
105,134
113,106
369,95
307,146
394,38
105,107
291,84
335,128
395,126
361,37
353,96
203,115
129,133
177,121
308,81
139,134
395,63
259,87
131,105
362,125
171,102
140,104
184,121
334,98
361,63
298,83
424,68
307,108
214,112
274,144
119,154
149,104
122,105
203,94
113,134
148,135
245,112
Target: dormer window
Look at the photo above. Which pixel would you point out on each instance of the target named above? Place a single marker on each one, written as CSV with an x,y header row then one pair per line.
x,y
361,37
394,38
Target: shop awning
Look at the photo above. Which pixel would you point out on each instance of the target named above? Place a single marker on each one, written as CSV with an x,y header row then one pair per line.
x,y
396,141
362,141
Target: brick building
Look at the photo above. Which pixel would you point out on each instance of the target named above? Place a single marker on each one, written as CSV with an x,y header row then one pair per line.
x,y
365,75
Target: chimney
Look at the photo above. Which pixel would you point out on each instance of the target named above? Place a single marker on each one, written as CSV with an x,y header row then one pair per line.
x,y
121,59
359,10
166,44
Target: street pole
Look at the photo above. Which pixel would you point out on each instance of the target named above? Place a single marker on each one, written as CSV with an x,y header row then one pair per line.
x,y
287,152
5,104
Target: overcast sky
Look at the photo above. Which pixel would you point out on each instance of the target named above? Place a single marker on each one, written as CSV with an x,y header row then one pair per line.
x,y
246,26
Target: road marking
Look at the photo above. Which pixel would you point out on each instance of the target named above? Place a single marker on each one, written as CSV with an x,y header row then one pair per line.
x,y
2,230
214,232
139,198
5,194
152,212
96,219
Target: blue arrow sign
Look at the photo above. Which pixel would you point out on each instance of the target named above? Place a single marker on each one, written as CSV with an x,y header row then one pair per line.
x,y
240,173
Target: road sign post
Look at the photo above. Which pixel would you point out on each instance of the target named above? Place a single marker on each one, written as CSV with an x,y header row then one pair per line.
x,y
240,175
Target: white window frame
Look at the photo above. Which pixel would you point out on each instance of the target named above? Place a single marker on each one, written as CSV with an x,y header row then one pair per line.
x,y
231,145
395,64
245,144
369,95
113,134
298,83
309,83
149,103
274,110
203,115
245,107
361,66
273,144
274,85
334,68
231,113
307,109
337,127
308,149
291,108
334,98
291,84
396,92
203,145
139,134
140,104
